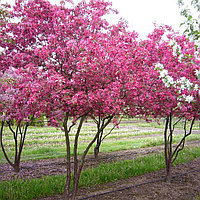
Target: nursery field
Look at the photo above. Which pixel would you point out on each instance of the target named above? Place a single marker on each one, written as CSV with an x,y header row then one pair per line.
x,y
49,142
65,64
133,149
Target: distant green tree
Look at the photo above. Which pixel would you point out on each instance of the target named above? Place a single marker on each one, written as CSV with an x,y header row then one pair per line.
x,y
191,13
39,122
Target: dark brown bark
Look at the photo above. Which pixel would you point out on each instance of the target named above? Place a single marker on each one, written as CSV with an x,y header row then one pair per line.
x,y
76,175
96,150
169,171
166,143
16,166
2,145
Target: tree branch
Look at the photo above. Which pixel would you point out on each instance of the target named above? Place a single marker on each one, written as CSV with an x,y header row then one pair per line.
x,y
181,144
2,145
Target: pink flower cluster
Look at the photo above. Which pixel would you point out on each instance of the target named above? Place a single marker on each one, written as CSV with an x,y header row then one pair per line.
x,y
70,60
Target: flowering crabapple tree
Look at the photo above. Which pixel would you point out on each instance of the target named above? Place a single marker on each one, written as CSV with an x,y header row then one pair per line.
x,y
16,53
30,25
120,57
186,84
170,89
73,51
18,104
93,91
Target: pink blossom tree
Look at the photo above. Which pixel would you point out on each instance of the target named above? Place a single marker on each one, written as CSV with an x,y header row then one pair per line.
x,y
73,52
168,86
91,91
120,57
19,103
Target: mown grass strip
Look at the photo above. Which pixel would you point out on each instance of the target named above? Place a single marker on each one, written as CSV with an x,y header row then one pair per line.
x,y
34,129
56,140
161,124
47,186
33,139
56,150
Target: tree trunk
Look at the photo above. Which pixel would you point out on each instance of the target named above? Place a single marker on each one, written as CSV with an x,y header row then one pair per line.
x,y
78,166
169,171
16,166
96,150
66,194
168,162
75,187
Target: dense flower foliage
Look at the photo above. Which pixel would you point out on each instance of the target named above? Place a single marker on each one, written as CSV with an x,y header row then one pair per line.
x,y
99,69
70,62
168,77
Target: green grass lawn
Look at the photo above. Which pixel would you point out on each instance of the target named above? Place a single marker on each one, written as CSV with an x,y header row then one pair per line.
x,y
49,142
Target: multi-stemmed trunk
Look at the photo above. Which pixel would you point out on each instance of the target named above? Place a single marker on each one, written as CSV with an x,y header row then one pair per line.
x,y
172,153
76,168
19,133
101,136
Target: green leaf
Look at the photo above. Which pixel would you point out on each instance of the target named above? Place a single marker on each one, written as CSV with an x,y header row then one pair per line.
x,y
189,18
198,76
